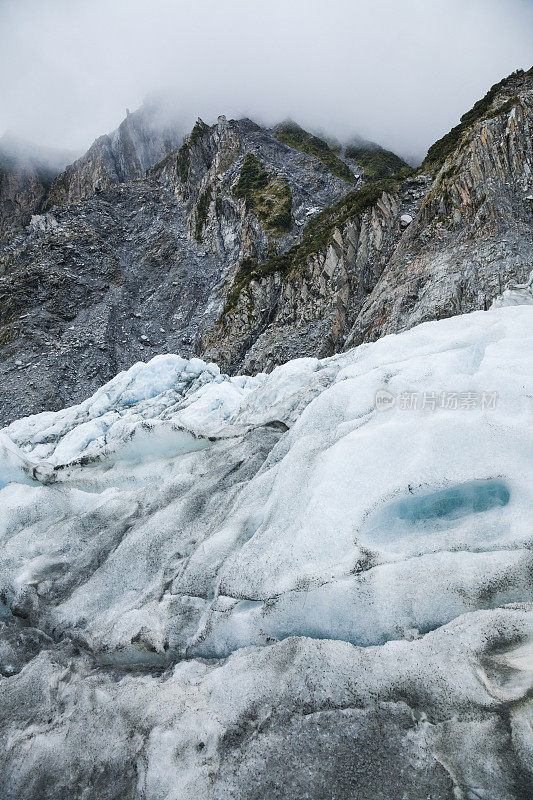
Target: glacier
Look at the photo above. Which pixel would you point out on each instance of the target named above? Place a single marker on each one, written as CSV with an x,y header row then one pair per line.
x,y
230,587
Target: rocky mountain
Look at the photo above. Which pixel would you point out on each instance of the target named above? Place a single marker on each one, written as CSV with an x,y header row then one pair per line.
x,y
250,246
145,266
270,587
374,161
474,233
142,139
442,241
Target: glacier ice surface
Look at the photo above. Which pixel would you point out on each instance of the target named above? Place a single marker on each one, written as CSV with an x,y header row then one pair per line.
x,y
317,551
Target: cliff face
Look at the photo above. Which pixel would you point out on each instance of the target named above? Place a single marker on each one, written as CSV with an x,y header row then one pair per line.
x,y
474,234
124,155
244,249
33,179
22,192
471,236
145,266
311,309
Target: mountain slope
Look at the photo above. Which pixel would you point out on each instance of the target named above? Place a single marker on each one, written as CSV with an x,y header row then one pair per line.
x,y
375,271
306,301
250,251
474,234
144,266
375,161
141,140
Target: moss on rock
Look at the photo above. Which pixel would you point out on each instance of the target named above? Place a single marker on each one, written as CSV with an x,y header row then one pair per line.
x,y
376,162
292,135
315,239
202,209
439,152
183,158
270,199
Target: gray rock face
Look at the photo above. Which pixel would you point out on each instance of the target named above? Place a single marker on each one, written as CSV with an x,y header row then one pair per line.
x,y
139,142
94,286
474,233
471,236
22,192
312,312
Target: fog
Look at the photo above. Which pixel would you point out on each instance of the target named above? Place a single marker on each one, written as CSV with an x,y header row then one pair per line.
x,y
400,72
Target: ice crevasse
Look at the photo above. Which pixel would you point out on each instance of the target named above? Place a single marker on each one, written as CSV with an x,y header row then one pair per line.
x,y
180,512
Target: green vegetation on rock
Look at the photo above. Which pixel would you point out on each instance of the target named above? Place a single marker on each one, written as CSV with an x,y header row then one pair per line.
x,y
253,179
161,164
377,162
315,239
200,128
7,335
247,272
182,161
268,198
439,152
292,135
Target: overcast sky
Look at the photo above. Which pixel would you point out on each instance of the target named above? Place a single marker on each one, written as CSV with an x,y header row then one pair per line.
x,y
398,71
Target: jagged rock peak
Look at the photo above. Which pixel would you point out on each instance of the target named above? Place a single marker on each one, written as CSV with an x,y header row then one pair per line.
x,y
142,138
500,97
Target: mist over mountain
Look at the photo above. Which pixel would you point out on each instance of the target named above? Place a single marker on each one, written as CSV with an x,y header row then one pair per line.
x,y
398,73
17,151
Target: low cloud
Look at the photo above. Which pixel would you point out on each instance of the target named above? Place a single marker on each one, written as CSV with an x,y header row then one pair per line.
x,y
397,71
